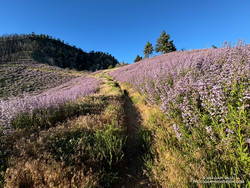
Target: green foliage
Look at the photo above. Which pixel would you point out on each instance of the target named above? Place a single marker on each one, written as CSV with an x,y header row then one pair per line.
x,y
109,145
145,143
209,148
164,45
138,58
45,49
93,144
45,118
223,146
102,146
215,47
100,150
148,49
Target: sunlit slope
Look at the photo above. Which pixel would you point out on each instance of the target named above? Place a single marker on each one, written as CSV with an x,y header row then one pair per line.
x,y
205,128
20,78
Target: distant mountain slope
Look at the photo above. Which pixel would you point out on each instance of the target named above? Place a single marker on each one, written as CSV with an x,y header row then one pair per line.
x,y
45,49
18,78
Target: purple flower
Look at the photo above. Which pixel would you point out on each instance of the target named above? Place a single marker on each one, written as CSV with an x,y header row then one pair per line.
x,y
192,81
69,91
229,131
177,131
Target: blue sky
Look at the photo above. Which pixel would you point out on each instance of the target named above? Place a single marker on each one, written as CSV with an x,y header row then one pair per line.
x,y
122,27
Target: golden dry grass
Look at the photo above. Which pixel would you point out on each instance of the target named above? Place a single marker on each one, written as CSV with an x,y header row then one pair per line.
x,y
35,166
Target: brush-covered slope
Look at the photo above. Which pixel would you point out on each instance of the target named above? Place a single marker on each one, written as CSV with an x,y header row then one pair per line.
x,y
34,63
45,49
205,97
22,77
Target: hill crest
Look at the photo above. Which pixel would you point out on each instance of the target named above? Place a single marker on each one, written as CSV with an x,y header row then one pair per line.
x,y
48,50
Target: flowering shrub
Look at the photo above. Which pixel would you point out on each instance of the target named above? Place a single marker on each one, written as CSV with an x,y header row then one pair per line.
x,y
67,92
180,79
206,95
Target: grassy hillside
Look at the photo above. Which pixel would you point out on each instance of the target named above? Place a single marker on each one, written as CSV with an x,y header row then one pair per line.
x,y
88,142
45,49
176,120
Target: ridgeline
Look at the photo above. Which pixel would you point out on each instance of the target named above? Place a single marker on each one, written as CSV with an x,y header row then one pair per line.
x,y
47,50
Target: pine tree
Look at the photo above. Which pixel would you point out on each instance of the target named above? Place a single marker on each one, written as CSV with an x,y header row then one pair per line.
x,y
164,45
148,49
138,58
215,47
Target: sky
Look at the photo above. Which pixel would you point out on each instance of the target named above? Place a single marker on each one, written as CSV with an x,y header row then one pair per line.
x,y
122,27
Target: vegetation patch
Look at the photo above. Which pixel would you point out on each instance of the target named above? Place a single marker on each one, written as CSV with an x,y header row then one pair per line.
x,y
198,114
17,79
45,118
90,142
89,145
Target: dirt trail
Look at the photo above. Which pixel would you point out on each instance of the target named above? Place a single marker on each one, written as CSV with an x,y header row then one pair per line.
x,y
131,173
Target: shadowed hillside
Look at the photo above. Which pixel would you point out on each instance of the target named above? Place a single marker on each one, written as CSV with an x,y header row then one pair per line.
x,y
45,49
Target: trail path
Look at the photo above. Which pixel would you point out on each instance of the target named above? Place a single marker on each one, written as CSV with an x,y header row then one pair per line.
x,y
132,173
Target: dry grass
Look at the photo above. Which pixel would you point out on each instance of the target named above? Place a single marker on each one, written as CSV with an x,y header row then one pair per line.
x,y
85,150
109,86
76,152
36,165
41,174
166,167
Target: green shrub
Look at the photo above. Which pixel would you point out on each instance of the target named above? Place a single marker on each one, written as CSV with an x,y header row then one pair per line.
x,y
109,145
222,144
100,150
45,118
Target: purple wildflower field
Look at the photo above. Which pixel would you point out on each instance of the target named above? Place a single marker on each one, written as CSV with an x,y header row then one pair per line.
x,y
67,92
178,80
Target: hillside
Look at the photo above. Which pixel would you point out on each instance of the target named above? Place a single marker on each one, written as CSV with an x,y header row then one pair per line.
x,y
29,77
174,120
203,127
47,50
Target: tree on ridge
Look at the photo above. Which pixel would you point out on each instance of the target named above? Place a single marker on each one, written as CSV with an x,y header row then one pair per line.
x,y
138,58
148,49
164,44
